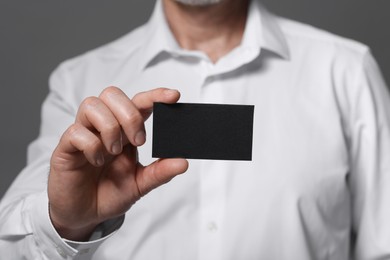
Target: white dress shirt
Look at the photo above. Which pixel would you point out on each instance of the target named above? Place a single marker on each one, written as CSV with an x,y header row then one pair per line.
x,y
318,186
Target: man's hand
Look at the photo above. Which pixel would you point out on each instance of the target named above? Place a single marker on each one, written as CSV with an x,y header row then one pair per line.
x,y
95,174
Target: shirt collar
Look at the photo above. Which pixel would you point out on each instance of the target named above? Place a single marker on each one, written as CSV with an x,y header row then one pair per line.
x,y
159,37
272,36
262,31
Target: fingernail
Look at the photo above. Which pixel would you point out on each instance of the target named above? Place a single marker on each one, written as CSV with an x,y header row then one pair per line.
x,y
140,138
116,147
99,160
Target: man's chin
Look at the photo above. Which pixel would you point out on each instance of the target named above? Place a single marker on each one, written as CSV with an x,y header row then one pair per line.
x,y
199,2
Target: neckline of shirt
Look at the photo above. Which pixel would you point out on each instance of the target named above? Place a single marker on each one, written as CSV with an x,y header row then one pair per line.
x,y
261,31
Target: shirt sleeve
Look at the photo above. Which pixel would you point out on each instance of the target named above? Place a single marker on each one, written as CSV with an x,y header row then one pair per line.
x,y
369,177
26,231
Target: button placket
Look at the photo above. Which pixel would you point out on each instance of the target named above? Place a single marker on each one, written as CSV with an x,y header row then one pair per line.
x,y
212,204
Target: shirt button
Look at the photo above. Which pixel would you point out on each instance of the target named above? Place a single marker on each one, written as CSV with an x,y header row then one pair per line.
x,y
212,226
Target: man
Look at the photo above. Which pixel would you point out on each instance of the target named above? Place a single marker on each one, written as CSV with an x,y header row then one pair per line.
x,y
317,187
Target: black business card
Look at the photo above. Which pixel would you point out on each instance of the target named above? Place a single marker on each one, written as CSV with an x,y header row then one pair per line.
x,y
202,131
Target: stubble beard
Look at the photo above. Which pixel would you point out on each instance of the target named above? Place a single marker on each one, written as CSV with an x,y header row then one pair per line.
x,y
199,2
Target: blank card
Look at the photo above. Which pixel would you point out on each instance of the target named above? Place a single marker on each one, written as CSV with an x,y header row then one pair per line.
x,y
202,131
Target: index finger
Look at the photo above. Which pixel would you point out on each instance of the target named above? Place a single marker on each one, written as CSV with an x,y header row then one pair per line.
x,y
144,100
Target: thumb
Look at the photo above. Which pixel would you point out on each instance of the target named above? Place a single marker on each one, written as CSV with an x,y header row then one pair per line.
x,y
159,173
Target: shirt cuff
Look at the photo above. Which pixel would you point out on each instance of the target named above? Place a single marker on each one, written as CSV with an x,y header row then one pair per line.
x,y
51,243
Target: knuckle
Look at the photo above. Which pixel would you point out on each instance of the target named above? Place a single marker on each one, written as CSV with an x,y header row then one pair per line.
x,y
73,130
134,118
71,134
90,102
110,91
93,144
111,127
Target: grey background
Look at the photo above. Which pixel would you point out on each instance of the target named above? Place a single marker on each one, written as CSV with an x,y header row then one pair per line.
x,y
36,35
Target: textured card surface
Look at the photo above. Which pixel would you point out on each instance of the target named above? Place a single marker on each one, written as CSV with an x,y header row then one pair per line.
x,y
202,131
